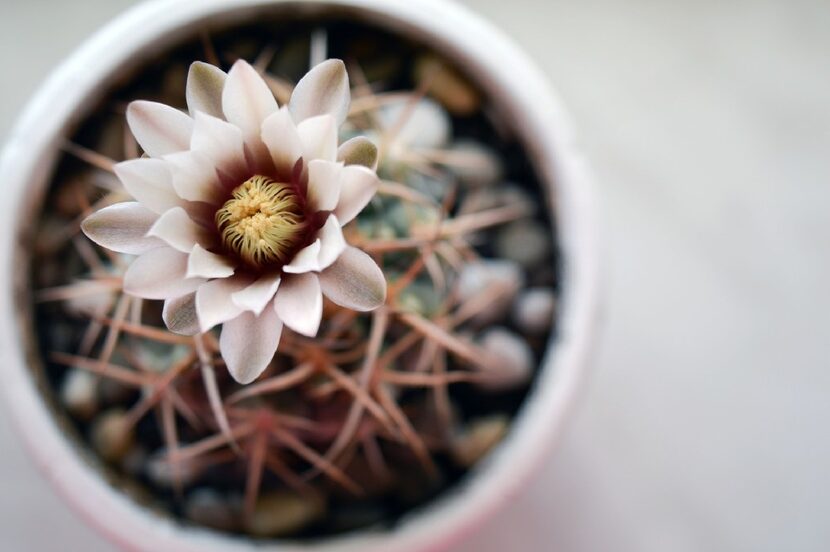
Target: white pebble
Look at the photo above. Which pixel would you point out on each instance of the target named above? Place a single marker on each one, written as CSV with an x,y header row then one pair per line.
x,y
526,242
281,512
163,473
474,441
534,309
111,435
209,508
427,125
510,358
500,274
474,164
79,393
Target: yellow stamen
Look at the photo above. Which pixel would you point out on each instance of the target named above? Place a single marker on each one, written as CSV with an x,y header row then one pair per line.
x,y
262,222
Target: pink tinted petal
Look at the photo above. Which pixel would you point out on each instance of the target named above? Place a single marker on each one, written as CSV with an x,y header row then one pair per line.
x,y
248,344
322,91
122,228
299,303
204,264
357,187
306,260
354,281
213,301
221,142
178,230
194,176
358,151
179,315
319,138
332,242
246,100
149,182
256,296
283,141
204,89
160,274
159,129
323,184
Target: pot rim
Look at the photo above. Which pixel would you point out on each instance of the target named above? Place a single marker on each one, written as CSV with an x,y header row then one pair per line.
x,y
522,93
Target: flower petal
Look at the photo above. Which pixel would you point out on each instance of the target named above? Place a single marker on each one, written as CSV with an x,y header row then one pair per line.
x,y
299,303
248,344
357,187
179,315
221,142
319,138
149,182
122,228
306,260
323,90
194,176
332,242
159,129
279,133
256,296
204,264
213,301
354,281
358,151
246,99
178,230
160,274
323,184
204,89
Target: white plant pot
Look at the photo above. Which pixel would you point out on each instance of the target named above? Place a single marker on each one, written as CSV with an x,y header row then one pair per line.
x,y
522,95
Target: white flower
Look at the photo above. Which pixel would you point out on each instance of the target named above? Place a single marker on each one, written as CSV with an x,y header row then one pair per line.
x,y
239,210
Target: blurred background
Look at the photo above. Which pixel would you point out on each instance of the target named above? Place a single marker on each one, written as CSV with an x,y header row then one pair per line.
x,y
706,426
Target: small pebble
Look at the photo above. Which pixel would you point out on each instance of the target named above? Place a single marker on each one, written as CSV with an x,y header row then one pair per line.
x,y
527,242
476,277
79,393
511,359
283,513
111,436
474,164
207,507
161,471
471,443
447,86
427,124
534,309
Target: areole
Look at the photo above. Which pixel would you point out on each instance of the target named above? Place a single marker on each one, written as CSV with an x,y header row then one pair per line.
x,y
520,92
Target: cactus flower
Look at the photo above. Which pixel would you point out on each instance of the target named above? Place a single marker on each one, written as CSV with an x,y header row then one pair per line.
x,y
239,207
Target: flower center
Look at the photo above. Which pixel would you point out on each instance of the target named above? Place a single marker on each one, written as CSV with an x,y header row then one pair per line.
x,y
263,221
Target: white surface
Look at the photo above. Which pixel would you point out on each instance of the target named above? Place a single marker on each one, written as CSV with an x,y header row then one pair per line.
x,y
708,126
